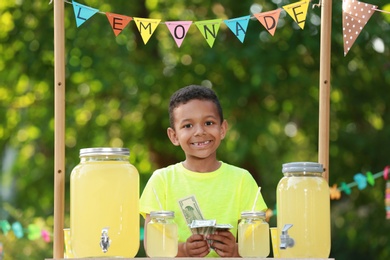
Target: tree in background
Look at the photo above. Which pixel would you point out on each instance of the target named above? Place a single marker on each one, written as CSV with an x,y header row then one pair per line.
x,y
117,91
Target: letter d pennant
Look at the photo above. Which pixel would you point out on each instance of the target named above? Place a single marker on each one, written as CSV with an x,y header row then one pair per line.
x,y
83,13
269,20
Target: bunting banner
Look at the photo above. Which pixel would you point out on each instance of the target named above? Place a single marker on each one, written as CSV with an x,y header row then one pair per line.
x,y
356,14
32,231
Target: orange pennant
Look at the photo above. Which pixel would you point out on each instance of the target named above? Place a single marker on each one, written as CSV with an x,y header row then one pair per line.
x,y
269,20
118,22
335,193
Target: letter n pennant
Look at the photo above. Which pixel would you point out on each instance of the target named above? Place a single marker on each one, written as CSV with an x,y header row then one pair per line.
x,y
146,27
298,12
178,30
269,20
238,26
83,12
209,30
118,22
355,16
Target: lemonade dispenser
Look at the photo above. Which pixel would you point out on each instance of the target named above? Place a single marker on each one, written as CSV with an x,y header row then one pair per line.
x,y
104,209
303,211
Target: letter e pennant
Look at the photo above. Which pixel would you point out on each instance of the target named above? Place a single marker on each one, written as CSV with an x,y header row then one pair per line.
x,y
298,12
146,27
269,20
118,22
178,30
83,13
355,16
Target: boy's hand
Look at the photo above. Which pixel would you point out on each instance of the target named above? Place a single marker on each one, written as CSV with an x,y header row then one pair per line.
x,y
224,244
196,246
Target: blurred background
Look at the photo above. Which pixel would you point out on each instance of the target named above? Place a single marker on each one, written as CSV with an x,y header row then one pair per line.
x,y
117,93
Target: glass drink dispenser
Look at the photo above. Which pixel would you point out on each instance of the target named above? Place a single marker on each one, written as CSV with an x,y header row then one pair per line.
x,y
303,206
104,209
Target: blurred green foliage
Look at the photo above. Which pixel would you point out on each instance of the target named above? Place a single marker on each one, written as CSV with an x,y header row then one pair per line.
x,y
117,92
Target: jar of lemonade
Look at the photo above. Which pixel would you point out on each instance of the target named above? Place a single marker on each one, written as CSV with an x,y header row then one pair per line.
x,y
303,207
253,234
104,209
161,235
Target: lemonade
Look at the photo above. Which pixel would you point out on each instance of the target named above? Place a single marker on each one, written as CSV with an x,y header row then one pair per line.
x,y
304,202
162,237
104,200
253,235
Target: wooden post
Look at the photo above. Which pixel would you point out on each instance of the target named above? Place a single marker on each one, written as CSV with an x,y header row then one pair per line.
x,y
324,98
59,128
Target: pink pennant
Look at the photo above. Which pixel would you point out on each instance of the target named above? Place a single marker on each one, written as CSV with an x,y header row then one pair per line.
x,y
178,30
355,16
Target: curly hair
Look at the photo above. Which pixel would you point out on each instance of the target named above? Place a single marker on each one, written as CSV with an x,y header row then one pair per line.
x,y
193,92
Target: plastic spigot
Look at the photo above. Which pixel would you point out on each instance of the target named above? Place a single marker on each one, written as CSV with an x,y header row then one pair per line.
x,y
285,239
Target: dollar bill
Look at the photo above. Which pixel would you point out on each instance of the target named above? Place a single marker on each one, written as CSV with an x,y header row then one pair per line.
x,y
190,208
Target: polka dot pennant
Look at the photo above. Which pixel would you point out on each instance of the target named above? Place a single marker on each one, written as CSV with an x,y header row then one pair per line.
x,y
355,16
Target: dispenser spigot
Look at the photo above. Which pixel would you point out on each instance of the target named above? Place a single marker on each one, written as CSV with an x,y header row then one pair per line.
x,y
105,240
285,239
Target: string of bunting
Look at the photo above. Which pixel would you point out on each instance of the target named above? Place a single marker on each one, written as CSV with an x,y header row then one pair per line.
x,y
356,14
33,231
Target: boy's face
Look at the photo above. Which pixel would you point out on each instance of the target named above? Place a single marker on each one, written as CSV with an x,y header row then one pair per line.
x,y
197,129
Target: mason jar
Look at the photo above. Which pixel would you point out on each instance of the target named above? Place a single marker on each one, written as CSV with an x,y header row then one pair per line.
x,y
303,211
253,234
161,235
104,207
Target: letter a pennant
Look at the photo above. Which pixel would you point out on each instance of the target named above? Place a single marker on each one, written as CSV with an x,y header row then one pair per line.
x,y
118,22
298,12
146,27
209,30
355,16
83,12
238,26
269,20
178,30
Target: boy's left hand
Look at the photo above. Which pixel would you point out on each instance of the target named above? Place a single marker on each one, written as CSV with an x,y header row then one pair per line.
x,y
224,244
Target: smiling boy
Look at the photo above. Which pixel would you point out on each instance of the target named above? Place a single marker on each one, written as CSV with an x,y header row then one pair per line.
x,y
223,191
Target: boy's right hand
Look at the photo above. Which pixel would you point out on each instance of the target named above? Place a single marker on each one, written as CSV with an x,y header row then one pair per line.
x,y
196,246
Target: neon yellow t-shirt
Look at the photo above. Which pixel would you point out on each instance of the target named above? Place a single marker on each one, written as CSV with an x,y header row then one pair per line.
x,y
222,195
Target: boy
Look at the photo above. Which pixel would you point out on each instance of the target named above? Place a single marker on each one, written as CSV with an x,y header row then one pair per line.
x,y
222,191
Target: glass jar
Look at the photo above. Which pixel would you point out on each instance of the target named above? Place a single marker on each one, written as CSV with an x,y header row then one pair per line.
x,y
104,207
161,235
253,235
303,211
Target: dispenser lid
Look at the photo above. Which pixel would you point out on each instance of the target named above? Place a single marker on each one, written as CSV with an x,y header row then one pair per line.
x,y
104,151
302,167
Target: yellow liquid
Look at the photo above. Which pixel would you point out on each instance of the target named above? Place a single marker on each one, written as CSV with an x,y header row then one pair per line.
x,y
104,194
253,239
162,240
305,203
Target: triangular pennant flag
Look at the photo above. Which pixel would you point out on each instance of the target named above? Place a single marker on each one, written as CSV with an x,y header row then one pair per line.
x,y
146,27
118,22
298,12
83,12
238,26
355,16
178,30
209,30
269,20
360,180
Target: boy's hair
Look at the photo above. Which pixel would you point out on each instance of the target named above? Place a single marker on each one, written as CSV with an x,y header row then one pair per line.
x,y
192,92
